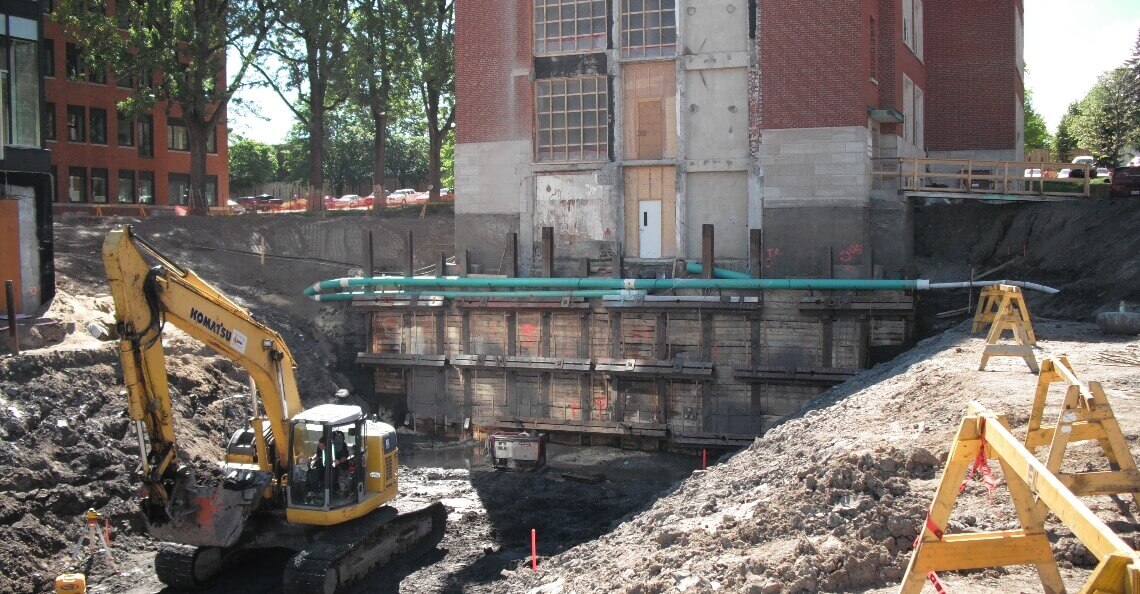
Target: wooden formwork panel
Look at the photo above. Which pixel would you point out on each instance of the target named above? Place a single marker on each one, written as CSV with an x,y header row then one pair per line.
x,y
638,336
601,399
639,401
420,336
453,334
528,334
389,382
847,350
565,334
600,339
887,332
565,397
527,399
386,333
684,402
790,344
488,333
732,340
683,335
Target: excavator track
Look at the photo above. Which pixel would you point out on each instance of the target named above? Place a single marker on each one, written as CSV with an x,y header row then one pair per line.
x,y
345,554
186,567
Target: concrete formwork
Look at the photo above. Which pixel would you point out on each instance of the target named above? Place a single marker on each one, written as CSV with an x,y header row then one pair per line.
x,y
704,372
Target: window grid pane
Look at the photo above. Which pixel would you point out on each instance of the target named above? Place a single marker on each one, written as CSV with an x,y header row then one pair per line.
x,y
648,28
569,26
573,119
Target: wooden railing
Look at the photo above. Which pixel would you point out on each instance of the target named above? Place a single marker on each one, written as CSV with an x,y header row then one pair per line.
x,y
983,177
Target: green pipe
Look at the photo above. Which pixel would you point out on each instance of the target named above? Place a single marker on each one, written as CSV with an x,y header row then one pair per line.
x,y
476,295
698,268
793,284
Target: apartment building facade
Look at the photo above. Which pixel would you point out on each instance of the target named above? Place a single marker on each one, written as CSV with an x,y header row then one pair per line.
x,y
628,124
102,158
26,252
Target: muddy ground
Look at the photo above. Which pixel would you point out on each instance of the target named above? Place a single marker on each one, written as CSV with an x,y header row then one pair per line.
x,y
828,501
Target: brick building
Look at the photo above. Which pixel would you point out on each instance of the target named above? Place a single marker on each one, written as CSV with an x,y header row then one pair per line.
x,y
101,158
627,124
26,253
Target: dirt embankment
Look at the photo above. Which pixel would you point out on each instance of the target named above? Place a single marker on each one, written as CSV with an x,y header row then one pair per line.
x,y
832,499
1088,249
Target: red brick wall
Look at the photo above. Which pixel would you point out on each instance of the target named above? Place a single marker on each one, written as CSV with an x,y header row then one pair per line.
x,y
63,92
813,64
493,42
972,79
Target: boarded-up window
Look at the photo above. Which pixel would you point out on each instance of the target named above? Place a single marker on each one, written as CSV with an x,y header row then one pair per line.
x,y
569,26
908,109
573,119
648,28
919,119
650,129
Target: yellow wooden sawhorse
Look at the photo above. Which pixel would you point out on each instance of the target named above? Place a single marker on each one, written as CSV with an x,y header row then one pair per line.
x,y
1085,415
1035,491
1003,308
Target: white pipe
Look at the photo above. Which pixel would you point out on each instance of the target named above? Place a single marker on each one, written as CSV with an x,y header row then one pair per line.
x,y
970,284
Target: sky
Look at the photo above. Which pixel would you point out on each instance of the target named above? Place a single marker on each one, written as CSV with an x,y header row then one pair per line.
x,y
1068,44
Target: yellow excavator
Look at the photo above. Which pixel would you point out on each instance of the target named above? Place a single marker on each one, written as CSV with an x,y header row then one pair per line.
x,y
316,481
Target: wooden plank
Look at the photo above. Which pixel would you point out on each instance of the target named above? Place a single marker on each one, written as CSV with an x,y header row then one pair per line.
x,y
956,552
1109,482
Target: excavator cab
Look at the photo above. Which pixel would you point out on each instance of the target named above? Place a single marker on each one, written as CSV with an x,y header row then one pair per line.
x,y
327,458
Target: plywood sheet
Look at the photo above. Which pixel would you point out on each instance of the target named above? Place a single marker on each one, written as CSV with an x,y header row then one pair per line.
x,y
651,183
649,113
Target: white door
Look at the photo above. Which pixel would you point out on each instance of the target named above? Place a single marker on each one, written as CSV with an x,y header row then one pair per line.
x,y
649,226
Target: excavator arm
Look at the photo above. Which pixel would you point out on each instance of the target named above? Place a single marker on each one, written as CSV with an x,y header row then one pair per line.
x,y
146,298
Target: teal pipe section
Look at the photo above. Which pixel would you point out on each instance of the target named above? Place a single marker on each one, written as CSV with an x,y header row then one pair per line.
x,y
477,295
697,268
609,284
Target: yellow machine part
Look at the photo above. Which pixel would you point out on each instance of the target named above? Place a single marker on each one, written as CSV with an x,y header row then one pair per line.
x,y
71,583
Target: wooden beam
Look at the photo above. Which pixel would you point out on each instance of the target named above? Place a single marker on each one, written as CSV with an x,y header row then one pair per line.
x,y
410,265
956,552
369,270
708,250
756,253
548,252
514,239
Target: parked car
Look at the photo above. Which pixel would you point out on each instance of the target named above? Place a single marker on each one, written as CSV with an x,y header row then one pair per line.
x,y
400,197
446,195
329,202
363,201
1032,173
1083,160
1125,182
1103,172
259,202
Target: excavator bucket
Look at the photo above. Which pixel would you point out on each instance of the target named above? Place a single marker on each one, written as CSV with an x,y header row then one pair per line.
x,y
211,515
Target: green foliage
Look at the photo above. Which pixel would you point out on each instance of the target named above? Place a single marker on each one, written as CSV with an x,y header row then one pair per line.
x,y
1064,143
447,163
1036,131
251,162
1108,117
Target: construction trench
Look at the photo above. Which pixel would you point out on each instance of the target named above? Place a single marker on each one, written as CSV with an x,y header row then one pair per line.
x,y
854,427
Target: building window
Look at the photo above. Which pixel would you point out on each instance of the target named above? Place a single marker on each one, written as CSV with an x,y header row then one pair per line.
x,y
126,81
126,186
77,184
99,186
146,136
21,74
919,119
98,126
146,187
97,75
212,190
49,121
126,129
212,141
49,58
648,28
49,6
569,26
912,26
176,138
73,62
573,119
913,113
178,189
76,123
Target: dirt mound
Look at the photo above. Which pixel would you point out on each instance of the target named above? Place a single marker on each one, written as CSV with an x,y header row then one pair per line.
x,y
832,499
1089,249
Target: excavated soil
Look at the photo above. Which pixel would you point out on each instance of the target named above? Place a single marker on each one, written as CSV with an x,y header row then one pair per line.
x,y
830,500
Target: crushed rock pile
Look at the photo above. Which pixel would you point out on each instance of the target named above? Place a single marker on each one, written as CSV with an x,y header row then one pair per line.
x,y
66,445
831,500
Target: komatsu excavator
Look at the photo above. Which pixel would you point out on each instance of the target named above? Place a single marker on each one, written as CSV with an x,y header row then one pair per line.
x,y
316,481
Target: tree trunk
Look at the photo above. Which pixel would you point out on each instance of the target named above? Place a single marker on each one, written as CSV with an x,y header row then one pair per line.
x,y
380,143
197,133
435,141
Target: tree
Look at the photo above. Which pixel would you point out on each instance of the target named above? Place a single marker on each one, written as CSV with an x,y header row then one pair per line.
x,y
1107,122
175,51
431,28
1036,131
307,52
1064,142
376,66
251,163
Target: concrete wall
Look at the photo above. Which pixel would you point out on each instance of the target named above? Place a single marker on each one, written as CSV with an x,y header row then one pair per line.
x,y
719,199
493,190
582,211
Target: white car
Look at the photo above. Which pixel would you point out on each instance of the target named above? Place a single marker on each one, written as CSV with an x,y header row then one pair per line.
x,y
1032,173
400,197
1102,172
1082,160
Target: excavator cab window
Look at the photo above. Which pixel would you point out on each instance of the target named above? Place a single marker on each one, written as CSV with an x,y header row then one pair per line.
x,y
326,465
